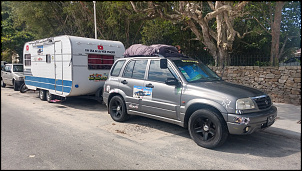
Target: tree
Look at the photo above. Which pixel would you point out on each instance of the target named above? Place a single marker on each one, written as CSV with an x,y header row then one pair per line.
x,y
281,20
14,35
275,25
211,22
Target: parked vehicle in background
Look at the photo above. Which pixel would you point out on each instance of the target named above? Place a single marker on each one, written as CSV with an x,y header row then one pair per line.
x,y
65,66
12,74
3,64
294,61
184,91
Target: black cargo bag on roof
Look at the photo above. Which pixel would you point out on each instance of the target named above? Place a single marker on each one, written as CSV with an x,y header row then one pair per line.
x,y
153,50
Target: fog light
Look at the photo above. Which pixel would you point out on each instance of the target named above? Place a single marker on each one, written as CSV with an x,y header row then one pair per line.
x,y
246,129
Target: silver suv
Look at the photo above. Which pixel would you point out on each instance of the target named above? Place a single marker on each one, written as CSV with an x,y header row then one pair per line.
x,y
184,91
12,74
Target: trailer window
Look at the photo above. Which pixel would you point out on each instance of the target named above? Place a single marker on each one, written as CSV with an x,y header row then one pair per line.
x,y
100,61
48,58
27,59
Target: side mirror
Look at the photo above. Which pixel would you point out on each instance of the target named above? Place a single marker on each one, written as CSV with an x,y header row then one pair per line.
x,y
163,64
172,81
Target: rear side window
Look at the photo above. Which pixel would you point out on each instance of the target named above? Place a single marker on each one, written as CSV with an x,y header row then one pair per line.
x,y
48,58
117,68
135,69
27,60
100,61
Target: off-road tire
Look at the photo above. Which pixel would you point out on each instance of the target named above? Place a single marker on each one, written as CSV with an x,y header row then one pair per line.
x,y
207,128
117,109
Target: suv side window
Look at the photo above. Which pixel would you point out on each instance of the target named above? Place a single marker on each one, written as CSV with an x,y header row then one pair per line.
x,y
117,68
135,69
158,74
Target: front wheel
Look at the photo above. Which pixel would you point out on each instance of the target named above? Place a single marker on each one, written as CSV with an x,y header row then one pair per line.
x,y
16,88
117,109
208,129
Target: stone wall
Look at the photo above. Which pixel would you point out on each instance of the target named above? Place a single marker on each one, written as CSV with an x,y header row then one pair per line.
x,y
283,84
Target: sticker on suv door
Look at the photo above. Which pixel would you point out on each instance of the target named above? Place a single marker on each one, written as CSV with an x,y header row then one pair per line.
x,y
142,92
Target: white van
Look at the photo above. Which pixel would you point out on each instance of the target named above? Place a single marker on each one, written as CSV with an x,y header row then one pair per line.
x,y
66,65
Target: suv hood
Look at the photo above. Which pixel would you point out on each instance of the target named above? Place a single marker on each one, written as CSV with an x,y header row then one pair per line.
x,y
19,74
229,89
221,92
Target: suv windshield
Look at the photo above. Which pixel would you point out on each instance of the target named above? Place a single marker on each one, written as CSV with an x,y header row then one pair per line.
x,y
195,71
18,68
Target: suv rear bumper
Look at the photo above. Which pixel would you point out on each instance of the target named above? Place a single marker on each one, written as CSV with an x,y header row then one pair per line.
x,y
251,122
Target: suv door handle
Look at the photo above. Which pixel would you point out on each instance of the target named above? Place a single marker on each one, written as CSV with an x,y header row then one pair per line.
x,y
150,85
124,82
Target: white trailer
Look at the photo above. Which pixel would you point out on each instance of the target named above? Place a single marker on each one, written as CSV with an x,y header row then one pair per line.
x,y
64,66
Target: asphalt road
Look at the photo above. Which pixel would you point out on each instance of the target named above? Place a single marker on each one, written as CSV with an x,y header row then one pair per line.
x,y
78,134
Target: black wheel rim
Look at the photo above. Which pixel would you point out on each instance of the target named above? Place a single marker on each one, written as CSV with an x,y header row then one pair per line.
x,y
204,129
116,109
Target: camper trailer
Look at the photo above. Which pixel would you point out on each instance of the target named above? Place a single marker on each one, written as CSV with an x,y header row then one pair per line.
x,y
65,66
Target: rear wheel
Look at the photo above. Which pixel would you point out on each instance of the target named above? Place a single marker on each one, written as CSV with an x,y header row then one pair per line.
x,y
16,86
42,94
207,128
117,109
49,96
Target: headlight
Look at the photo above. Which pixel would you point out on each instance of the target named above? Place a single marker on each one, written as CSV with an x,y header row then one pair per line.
x,y
246,103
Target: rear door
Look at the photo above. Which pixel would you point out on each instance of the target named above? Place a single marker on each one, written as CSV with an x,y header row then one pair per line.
x,y
58,67
132,81
164,100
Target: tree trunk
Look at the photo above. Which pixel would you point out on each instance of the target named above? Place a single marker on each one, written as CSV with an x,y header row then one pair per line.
x,y
275,25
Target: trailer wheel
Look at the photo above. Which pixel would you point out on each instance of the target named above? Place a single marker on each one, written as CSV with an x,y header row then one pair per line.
x,y
49,96
23,88
2,83
207,128
42,94
117,109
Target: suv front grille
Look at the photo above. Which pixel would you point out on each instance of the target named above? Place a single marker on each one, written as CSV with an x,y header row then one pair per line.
x,y
263,102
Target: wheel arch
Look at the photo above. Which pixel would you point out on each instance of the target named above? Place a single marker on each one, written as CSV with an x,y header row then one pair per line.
x,y
196,106
115,94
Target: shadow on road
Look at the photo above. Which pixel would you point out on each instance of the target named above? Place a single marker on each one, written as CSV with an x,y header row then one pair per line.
x,y
274,143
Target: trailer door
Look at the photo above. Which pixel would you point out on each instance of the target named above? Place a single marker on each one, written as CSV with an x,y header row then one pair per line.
x,y
58,59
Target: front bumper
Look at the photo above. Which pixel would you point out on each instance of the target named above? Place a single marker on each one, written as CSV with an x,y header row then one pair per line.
x,y
19,83
249,123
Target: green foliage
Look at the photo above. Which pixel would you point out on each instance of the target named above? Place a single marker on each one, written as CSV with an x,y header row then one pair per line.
x,y
14,35
24,21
